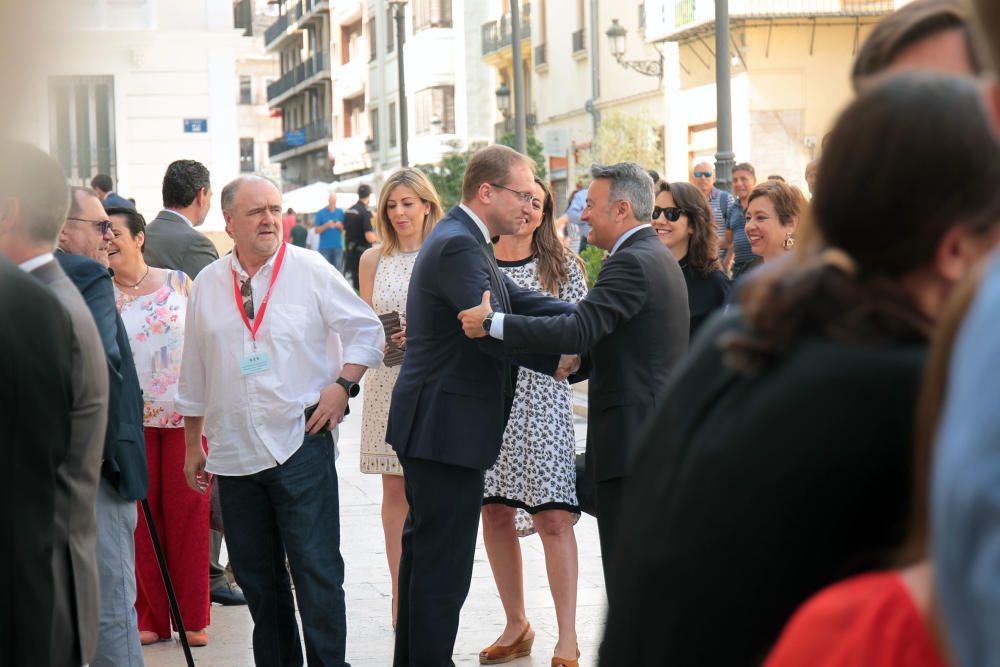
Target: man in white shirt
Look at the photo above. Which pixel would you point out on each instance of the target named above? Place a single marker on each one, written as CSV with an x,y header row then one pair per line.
x,y
275,343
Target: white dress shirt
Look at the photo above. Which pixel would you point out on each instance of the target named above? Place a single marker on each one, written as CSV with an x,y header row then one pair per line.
x,y
30,265
314,323
479,223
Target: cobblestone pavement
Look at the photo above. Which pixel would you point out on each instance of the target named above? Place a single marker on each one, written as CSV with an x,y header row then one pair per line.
x,y
368,590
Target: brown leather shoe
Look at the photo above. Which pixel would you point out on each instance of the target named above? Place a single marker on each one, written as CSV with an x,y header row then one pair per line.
x,y
197,637
496,654
566,662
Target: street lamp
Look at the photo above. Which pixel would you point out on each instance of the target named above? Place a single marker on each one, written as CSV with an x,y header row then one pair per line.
x,y
503,99
616,40
398,13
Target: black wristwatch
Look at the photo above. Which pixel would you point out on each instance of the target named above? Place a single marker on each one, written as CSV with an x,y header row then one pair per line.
x,y
352,388
488,322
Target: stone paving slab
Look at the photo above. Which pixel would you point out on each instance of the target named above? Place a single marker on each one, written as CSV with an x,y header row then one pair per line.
x,y
367,587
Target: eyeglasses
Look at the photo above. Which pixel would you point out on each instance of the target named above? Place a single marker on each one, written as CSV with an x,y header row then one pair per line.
x,y
103,226
671,213
525,197
703,174
246,291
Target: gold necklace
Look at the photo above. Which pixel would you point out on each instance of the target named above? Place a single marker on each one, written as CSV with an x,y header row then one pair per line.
x,y
136,286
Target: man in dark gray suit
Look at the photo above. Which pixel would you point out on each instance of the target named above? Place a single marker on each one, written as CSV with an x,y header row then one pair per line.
x,y
38,197
172,242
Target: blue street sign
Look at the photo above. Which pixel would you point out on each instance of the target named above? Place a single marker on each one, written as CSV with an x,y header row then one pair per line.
x,y
295,137
195,125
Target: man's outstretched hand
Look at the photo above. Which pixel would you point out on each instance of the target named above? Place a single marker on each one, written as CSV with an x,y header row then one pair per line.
x,y
472,318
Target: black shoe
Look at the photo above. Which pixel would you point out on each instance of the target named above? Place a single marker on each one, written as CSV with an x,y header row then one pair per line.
x,y
228,595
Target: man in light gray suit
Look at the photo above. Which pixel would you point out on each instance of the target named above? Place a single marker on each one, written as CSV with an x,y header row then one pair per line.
x,y
37,196
172,242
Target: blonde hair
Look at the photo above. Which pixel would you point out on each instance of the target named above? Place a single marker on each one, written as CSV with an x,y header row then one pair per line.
x,y
423,188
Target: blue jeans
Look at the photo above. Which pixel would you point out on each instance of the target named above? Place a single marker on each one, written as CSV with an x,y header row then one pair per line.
x,y
335,256
290,509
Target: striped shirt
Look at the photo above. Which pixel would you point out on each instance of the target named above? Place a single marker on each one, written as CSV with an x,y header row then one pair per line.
x,y
715,202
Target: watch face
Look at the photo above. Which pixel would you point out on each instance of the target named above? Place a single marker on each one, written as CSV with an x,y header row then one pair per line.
x,y
353,388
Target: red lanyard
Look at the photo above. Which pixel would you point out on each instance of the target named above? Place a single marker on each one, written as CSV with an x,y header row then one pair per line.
x,y
263,304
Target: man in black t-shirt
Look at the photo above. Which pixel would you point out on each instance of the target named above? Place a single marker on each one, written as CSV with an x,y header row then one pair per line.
x,y
358,233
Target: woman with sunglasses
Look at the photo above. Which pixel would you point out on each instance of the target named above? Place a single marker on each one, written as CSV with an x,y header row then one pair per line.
x,y
683,221
532,485
153,304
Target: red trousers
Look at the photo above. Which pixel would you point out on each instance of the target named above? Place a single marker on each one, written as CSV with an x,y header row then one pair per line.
x,y
181,519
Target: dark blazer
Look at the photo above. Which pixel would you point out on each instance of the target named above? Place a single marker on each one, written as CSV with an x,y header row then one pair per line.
x,y
752,492
36,398
171,243
453,394
633,327
74,558
124,442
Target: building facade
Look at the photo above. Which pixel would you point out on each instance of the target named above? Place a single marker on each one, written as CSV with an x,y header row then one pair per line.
x,y
135,85
256,69
790,67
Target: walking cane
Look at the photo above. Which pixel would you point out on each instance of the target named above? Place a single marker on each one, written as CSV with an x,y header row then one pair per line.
x,y
174,609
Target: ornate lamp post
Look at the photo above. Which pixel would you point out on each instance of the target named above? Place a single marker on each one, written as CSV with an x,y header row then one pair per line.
x,y
616,40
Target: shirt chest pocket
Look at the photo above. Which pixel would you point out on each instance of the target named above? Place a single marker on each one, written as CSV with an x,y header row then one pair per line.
x,y
289,324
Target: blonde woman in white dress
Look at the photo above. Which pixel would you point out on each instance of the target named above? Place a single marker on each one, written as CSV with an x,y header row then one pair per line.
x,y
408,208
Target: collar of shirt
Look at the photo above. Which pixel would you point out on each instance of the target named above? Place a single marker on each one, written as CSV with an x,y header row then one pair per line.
x,y
30,265
624,237
479,223
265,269
182,217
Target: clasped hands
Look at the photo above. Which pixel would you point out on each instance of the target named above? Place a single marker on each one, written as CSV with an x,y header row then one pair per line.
x,y
472,324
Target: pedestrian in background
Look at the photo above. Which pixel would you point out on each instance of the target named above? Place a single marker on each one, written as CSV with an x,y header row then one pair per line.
x,y
744,181
720,201
408,209
359,235
153,304
783,463
329,225
172,240
532,486
288,222
683,221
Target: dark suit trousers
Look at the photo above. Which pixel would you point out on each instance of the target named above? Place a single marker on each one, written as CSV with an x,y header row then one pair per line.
x,y
608,499
435,571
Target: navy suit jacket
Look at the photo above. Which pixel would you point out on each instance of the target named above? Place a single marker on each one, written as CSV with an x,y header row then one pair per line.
x,y
124,443
453,395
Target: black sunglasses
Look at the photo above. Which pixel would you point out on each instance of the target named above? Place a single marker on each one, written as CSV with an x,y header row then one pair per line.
x,y
246,291
671,213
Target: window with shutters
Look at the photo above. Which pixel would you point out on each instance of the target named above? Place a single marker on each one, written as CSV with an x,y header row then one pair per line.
x,y
434,110
82,122
431,14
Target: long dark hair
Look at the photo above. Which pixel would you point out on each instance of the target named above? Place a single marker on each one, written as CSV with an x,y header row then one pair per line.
x,y
703,250
871,226
548,250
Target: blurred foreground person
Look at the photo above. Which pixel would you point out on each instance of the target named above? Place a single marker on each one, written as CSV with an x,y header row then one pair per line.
x,y
965,501
888,619
781,457
34,187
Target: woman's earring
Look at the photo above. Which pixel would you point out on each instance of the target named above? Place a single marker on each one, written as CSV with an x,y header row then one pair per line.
x,y
789,242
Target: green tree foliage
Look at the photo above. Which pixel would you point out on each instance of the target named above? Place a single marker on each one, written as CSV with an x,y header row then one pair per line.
x,y
628,138
592,257
447,176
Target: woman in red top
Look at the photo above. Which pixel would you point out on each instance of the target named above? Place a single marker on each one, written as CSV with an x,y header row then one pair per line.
x,y
887,619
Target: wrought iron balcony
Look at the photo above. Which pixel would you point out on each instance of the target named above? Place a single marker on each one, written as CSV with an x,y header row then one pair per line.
x,y
300,73
496,34
318,131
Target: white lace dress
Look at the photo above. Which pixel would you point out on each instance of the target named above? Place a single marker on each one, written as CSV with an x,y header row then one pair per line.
x,y
392,280
536,469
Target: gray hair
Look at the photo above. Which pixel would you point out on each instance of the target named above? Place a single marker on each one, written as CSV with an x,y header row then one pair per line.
x,y
232,187
631,183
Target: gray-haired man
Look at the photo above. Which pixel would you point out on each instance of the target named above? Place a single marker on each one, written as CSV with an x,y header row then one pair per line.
x,y
631,329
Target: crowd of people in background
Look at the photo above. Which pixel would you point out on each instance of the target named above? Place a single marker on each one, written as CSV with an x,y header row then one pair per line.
x,y
791,447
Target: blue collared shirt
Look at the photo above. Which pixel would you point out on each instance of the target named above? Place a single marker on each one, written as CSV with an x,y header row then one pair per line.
x,y
965,495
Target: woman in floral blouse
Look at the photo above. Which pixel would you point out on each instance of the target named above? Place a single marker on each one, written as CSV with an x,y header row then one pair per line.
x,y
152,303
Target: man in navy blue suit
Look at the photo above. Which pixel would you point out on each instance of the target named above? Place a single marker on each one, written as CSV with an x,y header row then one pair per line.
x,y
452,398
124,474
